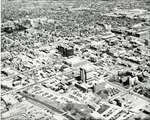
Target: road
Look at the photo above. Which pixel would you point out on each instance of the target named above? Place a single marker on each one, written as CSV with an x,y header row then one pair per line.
x,y
127,91
17,90
42,101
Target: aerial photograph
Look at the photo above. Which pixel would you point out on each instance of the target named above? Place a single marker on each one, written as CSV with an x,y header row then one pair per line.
x,y
75,60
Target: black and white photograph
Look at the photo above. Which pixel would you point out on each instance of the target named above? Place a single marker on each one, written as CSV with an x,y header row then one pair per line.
x,y
75,60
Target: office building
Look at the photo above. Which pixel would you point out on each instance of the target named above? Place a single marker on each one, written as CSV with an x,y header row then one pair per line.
x,y
66,50
87,72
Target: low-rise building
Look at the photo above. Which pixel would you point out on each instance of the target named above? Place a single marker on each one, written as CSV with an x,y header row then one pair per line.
x,y
75,62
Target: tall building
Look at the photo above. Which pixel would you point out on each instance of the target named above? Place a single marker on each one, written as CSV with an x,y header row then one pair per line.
x,y
66,50
83,75
87,72
69,51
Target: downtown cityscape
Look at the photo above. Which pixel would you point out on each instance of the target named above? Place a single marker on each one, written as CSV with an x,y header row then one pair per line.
x,y
75,60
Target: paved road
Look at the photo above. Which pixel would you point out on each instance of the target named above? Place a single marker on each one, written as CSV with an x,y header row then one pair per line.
x,y
127,91
17,90
23,116
42,101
